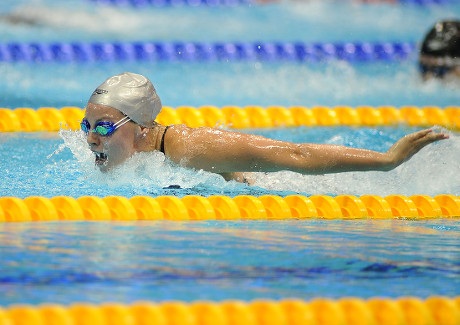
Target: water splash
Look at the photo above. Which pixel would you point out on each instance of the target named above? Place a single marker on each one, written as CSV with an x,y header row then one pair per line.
x,y
144,172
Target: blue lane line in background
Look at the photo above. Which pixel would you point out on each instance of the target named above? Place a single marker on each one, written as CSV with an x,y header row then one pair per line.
x,y
82,52
173,3
217,3
427,2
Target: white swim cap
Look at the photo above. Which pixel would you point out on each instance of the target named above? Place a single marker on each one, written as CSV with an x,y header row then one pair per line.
x,y
131,94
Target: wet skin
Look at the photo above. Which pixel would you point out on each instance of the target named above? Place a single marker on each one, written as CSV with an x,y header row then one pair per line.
x,y
230,153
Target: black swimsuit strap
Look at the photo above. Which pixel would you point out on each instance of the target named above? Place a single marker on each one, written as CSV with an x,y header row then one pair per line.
x,y
162,146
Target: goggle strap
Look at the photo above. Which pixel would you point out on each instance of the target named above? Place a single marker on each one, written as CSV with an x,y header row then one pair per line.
x,y
121,122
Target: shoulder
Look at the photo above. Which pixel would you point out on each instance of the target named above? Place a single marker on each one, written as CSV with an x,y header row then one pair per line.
x,y
179,141
212,137
183,133
177,132
183,142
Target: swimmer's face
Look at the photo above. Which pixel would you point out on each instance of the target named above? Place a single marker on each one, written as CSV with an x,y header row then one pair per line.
x,y
446,75
453,75
113,150
434,67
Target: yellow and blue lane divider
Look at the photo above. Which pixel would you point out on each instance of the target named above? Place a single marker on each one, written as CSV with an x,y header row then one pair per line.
x,y
52,119
434,310
220,207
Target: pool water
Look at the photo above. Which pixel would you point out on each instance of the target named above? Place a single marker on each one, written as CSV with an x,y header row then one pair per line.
x,y
65,262
315,21
220,84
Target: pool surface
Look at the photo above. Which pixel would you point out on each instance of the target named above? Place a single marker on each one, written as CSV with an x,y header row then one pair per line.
x,y
124,261
66,262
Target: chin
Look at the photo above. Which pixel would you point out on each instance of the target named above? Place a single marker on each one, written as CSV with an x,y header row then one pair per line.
x,y
103,168
109,162
108,166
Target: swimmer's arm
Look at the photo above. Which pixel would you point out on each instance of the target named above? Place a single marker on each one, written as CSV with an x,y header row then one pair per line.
x,y
240,177
322,159
227,152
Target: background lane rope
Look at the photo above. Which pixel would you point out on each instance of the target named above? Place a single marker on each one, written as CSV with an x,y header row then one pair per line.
x,y
83,52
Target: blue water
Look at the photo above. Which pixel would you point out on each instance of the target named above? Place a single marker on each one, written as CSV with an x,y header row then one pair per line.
x,y
317,21
197,84
65,262
97,262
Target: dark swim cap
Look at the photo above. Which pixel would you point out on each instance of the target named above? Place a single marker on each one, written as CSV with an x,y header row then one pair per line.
x,y
443,40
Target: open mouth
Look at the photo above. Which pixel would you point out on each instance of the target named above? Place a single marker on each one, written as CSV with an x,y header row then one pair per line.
x,y
101,158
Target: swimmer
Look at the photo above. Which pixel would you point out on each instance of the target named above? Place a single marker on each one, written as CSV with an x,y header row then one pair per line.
x,y
440,51
120,121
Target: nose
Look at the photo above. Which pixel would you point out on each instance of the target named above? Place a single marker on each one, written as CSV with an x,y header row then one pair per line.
x,y
92,139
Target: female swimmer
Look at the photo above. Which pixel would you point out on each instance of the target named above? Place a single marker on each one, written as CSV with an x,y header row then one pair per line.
x,y
120,121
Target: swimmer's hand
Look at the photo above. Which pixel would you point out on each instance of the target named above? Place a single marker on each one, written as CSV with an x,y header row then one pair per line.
x,y
409,145
240,177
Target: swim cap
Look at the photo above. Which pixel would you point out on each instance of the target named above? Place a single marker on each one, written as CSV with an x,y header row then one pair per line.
x,y
131,94
443,40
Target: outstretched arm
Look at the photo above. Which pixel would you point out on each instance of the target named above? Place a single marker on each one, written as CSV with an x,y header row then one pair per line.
x,y
409,145
226,152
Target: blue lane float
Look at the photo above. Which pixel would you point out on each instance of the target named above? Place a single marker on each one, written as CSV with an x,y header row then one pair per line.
x,y
426,2
192,51
226,3
173,3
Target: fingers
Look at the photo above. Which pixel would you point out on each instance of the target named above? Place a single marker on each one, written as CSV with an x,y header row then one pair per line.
x,y
426,137
422,133
409,145
431,136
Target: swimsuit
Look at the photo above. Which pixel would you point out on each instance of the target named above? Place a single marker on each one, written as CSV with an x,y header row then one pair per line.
x,y
162,145
162,149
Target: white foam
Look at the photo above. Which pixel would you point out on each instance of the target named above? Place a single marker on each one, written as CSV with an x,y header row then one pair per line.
x,y
142,171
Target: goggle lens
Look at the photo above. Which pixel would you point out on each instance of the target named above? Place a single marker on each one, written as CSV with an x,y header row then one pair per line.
x,y
102,128
85,126
436,71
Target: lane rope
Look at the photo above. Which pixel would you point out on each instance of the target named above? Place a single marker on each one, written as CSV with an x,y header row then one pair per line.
x,y
140,4
220,207
437,310
84,52
52,119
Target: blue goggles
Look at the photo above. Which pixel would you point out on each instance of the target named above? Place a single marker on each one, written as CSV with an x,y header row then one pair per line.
x,y
438,71
103,128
